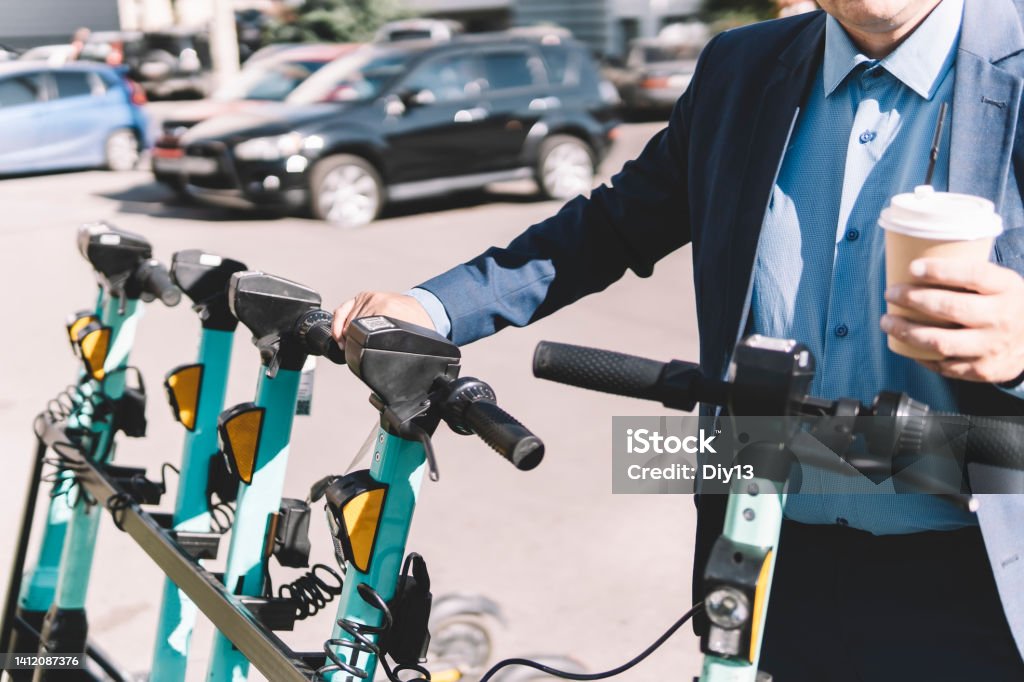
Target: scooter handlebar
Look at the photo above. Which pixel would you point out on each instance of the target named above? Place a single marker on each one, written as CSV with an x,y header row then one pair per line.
x,y
153,279
504,434
598,370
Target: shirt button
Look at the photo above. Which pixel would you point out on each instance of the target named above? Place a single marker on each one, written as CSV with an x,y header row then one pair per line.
x,y
840,521
842,330
852,235
867,136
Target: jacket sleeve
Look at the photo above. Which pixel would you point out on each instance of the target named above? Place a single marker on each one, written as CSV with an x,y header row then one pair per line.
x,y
589,244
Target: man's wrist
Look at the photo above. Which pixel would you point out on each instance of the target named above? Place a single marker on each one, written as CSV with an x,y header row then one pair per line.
x,y
435,309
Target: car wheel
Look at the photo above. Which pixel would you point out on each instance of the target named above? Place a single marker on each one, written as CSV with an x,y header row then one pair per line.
x,y
121,152
346,191
565,168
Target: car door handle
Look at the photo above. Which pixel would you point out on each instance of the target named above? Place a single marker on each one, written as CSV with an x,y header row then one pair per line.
x,y
470,115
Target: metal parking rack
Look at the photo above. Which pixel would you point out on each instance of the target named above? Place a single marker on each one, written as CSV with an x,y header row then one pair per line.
x,y
230,614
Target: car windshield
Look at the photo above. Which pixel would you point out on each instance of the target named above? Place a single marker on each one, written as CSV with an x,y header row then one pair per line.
x,y
360,76
268,81
669,53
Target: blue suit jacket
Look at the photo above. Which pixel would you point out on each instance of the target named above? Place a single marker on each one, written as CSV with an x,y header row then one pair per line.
x,y
706,180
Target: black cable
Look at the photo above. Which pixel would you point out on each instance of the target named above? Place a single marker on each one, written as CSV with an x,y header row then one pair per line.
x,y
595,676
222,516
117,504
310,592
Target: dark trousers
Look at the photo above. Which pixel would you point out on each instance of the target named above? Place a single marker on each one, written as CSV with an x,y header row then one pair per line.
x,y
848,606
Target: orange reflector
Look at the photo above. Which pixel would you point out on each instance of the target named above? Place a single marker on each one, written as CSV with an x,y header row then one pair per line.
x,y
362,518
94,345
760,601
239,429
183,384
77,322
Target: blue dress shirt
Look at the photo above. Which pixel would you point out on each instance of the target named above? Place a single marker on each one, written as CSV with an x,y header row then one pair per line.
x,y
864,136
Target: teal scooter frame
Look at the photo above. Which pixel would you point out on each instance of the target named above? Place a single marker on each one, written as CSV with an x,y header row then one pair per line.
x,y
122,262
385,604
29,595
128,275
196,392
268,307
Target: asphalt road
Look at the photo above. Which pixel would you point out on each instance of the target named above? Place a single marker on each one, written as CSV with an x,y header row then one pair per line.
x,y
576,569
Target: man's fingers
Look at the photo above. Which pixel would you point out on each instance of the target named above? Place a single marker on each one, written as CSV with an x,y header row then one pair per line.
x,y
967,309
358,305
949,343
340,322
984,370
980,276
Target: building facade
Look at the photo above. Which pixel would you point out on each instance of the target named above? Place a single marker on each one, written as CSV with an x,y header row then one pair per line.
x,y
607,26
49,22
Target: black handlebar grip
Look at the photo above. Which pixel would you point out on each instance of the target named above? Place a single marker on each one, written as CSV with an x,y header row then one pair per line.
x,y
992,440
320,341
153,278
501,431
598,370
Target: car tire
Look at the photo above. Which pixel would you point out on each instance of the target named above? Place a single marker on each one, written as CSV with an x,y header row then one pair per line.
x,y
346,191
565,167
122,151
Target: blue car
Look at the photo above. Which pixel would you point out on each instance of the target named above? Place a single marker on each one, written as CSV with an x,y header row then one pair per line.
x,y
80,115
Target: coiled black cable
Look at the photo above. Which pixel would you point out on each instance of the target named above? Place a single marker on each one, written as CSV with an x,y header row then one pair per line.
x,y
117,504
361,643
222,515
310,592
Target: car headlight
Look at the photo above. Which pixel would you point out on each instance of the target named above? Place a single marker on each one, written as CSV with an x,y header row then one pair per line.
x,y
269,148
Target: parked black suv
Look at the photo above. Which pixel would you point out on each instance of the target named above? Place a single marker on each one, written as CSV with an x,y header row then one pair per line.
x,y
400,121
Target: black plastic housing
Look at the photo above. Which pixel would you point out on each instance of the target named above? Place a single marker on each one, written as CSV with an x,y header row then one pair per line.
x,y
399,361
204,278
111,251
270,307
770,376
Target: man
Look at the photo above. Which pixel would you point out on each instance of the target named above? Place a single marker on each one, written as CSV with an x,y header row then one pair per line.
x,y
775,166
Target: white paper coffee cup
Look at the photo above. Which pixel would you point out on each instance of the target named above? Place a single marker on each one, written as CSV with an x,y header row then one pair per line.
x,y
930,224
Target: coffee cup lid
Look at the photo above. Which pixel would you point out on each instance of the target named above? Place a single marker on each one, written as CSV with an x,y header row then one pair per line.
x,y
947,216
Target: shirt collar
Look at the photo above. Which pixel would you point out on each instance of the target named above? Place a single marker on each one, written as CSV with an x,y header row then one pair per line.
x,y
919,62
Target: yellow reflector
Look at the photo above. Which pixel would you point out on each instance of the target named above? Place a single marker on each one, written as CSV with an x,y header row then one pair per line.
x,y
77,324
760,599
240,429
94,346
452,675
182,384
362,517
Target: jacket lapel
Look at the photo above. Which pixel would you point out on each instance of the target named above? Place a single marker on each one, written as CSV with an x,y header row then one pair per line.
x,y
784,91
986,100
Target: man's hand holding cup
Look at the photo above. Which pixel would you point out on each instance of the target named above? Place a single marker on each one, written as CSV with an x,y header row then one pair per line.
x,y
949,307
